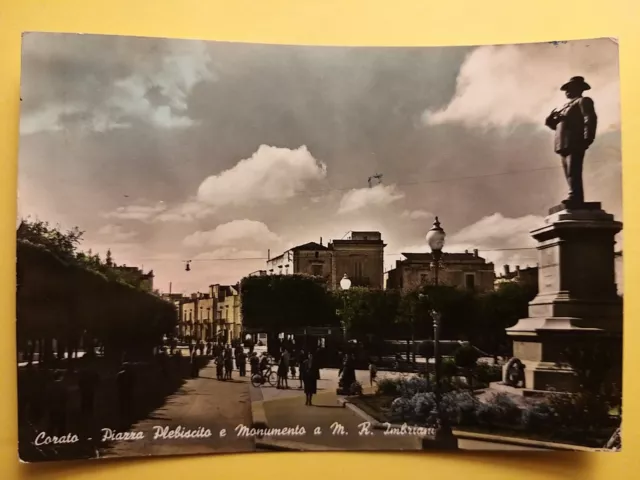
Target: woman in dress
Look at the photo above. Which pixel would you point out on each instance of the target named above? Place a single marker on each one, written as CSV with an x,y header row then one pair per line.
x,y
309,374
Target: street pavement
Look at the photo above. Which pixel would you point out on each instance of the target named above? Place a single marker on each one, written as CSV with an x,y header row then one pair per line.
x,y
201,402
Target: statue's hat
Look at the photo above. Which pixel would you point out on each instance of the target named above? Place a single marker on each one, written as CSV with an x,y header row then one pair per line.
x,y
578,82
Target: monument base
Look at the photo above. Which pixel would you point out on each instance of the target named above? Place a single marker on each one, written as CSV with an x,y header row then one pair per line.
x,y
577,305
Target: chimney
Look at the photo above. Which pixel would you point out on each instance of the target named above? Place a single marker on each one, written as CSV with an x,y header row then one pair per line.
x,y
506,270
518,268
320,240
475,252
466,251
268,254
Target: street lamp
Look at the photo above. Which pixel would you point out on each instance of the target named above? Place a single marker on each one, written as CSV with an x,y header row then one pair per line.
x,y
444,436
345,284
435,239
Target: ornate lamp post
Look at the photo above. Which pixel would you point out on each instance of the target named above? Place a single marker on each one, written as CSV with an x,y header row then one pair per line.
x,y
345,284
444,436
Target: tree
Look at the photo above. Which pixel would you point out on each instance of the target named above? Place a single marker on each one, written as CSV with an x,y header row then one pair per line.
x,y
280,303
497,311
466,358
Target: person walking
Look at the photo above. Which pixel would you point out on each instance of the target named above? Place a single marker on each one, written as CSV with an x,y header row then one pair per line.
x,y
228,362
283,369
309,374
301,358
241,363
220,365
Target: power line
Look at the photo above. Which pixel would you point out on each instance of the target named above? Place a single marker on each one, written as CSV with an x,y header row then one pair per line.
x,y
480,250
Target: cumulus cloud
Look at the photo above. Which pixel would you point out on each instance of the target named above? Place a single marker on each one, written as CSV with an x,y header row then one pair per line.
x,y
116,233
137,212
233,234
186,212
417,215
154,90
360,198
499,239
271,174
507,85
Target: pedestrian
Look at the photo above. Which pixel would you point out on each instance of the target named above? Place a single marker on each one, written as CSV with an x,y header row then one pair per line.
x,y
302,356
228,362
373,371
220,366
254,363
241,362
309,373
195,370
283,369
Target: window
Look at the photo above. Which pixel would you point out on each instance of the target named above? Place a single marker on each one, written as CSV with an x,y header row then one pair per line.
x,y
316,270
358,270
317,254
469,281
423,278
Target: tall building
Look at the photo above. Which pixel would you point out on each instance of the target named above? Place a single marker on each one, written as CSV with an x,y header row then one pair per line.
x,y
360,257
227,312
463,270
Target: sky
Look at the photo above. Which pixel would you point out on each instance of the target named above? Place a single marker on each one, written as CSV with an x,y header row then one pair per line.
x,y
172,150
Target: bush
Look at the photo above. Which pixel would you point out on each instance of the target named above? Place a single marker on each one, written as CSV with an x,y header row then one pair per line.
x,y
538,417
402,408
581,410
423,404
388,386
355,389
499,409
485,374
409,387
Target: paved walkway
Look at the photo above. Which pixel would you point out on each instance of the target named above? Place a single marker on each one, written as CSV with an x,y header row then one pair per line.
x,y
201,402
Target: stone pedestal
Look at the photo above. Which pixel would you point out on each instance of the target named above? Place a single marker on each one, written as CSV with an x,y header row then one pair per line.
x,y
577,304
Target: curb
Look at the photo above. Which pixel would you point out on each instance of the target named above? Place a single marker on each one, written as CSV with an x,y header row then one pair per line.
x,y
258,414
461,434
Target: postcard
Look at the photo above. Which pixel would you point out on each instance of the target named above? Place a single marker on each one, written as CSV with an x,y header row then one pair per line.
x,y
229,247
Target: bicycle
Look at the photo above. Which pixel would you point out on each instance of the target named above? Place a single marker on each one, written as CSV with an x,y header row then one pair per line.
x,y
266,376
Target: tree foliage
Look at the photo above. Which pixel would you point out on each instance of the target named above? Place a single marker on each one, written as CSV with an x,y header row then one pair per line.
x,y
69,295
275,303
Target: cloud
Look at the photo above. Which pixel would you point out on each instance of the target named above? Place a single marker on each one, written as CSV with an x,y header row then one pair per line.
x,y
137,212
271,174
152,89
499,239
503,86
417,215
233,234
186,212
360,198
231,253
116,233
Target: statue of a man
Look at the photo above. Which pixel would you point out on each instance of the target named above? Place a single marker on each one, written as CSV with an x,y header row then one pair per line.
x,y
575,126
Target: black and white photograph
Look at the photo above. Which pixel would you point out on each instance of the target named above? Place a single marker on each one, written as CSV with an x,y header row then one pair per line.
x,y
231,247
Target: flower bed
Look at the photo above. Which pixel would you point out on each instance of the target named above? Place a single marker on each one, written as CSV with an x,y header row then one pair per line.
x,y
573,419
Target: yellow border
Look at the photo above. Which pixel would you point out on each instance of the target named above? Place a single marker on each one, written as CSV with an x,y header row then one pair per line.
x,y
331,22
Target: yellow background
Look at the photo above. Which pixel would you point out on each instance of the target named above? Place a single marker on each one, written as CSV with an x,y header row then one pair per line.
x,y
335,22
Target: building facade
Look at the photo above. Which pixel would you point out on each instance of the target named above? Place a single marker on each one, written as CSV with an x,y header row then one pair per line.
x,y
524,276
463,270
228,312
360,257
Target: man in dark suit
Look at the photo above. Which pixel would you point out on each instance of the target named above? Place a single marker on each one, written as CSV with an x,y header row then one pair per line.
x,y
575,126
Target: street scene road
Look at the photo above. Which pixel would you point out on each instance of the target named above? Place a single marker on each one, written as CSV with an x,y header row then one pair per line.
x,y
201,402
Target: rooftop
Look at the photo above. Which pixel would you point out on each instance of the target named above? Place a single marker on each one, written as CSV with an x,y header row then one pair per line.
x,y
446,256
